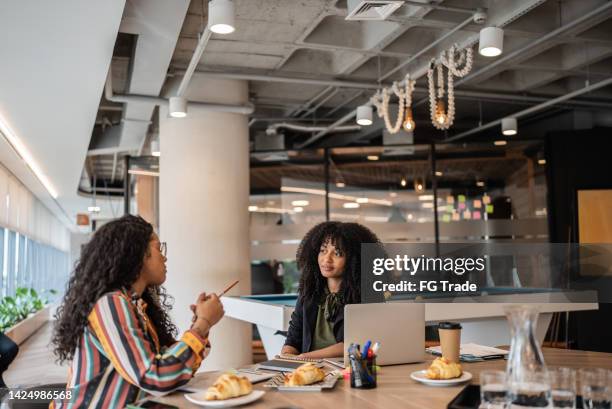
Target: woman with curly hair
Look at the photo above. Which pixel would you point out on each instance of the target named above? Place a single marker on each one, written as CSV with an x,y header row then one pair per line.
x,y
329,258
113,323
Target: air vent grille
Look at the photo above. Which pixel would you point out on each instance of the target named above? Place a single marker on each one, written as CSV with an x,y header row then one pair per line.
x,y
371,9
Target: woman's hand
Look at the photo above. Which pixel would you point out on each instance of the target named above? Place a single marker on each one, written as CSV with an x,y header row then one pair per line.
x,y
210,309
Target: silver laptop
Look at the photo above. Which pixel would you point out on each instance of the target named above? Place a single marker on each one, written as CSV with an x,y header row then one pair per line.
x,y
399,327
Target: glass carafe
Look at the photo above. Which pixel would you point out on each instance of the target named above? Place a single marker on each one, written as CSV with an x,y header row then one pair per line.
x,y
527,376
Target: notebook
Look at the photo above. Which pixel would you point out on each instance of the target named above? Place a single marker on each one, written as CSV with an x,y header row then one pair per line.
x,y
473,352
281,365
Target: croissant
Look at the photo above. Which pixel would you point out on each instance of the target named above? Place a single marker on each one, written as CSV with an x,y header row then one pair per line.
x,y
442,368
305,374
229,386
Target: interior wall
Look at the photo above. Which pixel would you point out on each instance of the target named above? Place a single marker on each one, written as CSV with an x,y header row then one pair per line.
x,y
579,160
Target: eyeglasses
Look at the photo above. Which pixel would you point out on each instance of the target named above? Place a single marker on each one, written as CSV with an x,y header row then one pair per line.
x,y
163,248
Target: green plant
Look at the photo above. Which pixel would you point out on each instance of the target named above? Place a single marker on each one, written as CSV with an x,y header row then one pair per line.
x,y
25,302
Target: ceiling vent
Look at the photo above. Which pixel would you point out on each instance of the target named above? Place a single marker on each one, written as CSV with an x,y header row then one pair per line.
x,y
371,9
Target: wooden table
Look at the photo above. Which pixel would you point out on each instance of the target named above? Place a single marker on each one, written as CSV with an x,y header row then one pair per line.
x,y
395,388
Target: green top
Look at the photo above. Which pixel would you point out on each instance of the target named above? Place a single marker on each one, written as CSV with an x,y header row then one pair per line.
x,y
324,333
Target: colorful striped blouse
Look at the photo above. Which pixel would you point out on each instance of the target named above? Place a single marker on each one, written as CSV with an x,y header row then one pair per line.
x,y
119,360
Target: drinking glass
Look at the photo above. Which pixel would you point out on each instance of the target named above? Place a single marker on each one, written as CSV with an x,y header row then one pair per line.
x,y
493,389
596,388
563,387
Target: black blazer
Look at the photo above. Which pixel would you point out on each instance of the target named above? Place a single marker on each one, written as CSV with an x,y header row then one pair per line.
x,y
303,322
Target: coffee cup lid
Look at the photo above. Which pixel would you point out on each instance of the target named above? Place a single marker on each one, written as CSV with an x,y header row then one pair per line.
x,y
449,325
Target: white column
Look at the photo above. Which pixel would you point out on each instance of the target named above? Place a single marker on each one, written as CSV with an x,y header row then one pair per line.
x,y
204,195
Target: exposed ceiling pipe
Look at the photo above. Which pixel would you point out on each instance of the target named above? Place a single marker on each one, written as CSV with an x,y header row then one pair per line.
x,y
532,109
435,6
246,109
320,103
288,80
370,85
273,129
195,60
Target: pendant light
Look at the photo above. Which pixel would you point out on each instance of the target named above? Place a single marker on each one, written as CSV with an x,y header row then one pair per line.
x,y
364,115
491,42
509,126
409,121
221,16
177,107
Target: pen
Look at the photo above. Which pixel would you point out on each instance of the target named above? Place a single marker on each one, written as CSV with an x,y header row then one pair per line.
x,y
375,348
366,346
229,287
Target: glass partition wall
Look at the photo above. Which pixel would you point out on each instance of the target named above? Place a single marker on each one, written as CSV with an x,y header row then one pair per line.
x,y
413,193
475,191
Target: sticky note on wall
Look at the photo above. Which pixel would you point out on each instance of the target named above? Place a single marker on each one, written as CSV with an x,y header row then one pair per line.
x,y
489,208
461,198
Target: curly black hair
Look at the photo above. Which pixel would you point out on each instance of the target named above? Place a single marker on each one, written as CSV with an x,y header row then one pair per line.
x,y
110,261
347,237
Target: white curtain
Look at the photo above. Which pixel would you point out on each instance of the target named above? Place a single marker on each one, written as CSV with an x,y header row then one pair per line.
x,y
22,212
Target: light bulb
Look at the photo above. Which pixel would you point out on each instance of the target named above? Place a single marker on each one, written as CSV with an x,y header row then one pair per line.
x,y
403,182
409,121
440,112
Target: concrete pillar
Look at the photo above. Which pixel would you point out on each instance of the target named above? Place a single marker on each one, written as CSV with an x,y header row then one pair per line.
x,y
204,195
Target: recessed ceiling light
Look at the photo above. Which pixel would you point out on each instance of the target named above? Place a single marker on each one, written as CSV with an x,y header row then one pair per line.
x,y
340,184
500,143
403,182
373,157
350,205
480,183
300,203
362,200
438,173
541,161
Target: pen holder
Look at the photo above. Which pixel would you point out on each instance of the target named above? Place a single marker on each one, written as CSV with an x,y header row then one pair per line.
x,y
363,375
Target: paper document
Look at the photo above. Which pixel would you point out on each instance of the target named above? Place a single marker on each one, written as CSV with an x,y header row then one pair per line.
x,y
473,352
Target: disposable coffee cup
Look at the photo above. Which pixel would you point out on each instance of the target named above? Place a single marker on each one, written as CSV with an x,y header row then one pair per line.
x,y
450,340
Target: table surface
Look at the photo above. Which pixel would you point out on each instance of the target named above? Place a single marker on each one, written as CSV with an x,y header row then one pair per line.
x,y
395,388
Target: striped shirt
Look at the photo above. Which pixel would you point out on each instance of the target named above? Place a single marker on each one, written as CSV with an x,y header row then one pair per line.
x,y
118,359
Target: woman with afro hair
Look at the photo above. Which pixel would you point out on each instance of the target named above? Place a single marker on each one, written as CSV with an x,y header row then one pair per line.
x,y
113,323
329,258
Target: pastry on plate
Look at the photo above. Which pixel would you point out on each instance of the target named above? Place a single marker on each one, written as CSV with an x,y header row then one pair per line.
x,y
229,386
442,368
305,374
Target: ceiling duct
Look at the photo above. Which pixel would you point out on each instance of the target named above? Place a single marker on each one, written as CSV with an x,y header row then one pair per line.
x,y
371,9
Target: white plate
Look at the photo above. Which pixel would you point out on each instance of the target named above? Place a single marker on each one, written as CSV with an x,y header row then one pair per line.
x,y
419,376
198,399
